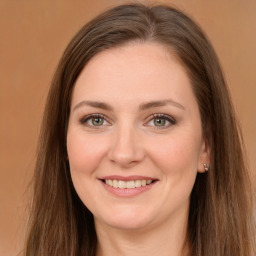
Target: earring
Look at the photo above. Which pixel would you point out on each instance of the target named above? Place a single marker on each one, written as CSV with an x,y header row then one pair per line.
x,y
206,167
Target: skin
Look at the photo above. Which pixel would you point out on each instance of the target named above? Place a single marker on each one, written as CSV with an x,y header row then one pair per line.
x,y
129,141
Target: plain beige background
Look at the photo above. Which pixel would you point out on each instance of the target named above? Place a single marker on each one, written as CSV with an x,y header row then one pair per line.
x,y
33,35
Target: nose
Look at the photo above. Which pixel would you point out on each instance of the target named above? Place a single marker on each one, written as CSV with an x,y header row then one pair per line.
x,y
126,149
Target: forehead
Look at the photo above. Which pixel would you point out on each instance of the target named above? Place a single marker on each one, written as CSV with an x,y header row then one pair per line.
x,y
135,71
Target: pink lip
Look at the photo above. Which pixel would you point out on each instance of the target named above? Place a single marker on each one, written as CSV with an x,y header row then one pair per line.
x,y
127,192
134,177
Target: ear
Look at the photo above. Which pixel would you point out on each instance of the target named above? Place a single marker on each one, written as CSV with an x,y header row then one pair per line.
x,y
204,156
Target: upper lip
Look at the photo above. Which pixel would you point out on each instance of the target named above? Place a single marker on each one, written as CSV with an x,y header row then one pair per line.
x,y
126,178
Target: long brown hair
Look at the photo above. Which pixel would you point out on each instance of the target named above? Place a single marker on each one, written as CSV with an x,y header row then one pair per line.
x,y
220,218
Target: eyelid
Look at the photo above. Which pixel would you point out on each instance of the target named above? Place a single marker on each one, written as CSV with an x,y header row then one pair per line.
x,y
86,118
172,121
168,118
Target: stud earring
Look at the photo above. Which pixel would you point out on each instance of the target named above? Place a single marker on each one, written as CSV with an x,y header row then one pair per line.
x,y
206,167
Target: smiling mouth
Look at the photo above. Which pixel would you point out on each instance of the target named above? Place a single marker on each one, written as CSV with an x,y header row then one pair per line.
x,y
127,184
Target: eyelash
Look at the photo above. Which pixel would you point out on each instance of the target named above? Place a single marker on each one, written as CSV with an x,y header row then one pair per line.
x,y
86,119
165,117
153,117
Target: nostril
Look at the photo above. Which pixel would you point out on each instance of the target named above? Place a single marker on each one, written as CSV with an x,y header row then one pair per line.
x,y
126,151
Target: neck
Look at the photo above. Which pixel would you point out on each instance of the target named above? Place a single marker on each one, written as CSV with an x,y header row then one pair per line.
x,y
165,240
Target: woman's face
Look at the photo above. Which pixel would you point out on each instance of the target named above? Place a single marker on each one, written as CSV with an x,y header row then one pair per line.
x,y
134,138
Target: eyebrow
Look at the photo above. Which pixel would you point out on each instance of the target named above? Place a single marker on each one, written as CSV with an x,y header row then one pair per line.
x,y
142,107
95,104
160,103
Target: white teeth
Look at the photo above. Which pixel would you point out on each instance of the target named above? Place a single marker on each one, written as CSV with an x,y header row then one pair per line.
x,y
128,184
121,184
137,183
115,183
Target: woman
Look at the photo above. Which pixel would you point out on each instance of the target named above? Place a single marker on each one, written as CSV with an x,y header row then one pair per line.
x,y
140,152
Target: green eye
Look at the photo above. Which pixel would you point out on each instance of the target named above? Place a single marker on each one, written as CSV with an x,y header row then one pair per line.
x,y
94,120
159,122
97,121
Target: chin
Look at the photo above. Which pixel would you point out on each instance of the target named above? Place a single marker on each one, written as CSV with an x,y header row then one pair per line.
x,y
128,225
126,220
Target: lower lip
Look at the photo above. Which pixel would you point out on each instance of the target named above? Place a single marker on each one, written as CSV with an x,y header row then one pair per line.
x,y
127,192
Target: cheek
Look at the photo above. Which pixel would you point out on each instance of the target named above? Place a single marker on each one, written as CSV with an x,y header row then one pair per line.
x,y
84,152
175,154
177,159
